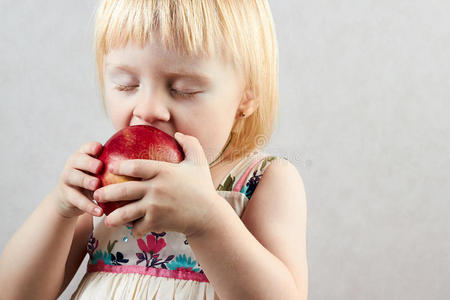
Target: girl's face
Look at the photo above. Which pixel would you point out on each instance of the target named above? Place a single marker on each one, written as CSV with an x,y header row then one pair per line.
x,y
173,93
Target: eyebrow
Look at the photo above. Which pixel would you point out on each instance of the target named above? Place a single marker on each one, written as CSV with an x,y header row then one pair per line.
x,y
181,73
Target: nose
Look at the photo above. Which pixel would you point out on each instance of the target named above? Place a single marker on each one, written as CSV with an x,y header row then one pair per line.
x,y
152,107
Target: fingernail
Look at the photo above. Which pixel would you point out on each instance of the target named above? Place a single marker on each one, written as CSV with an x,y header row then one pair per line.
x,y
97,211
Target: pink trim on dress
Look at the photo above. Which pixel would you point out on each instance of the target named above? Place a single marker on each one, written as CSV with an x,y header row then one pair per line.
x,y
185,275
240,183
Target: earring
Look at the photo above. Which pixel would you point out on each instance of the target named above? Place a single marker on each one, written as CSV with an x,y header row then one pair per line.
x,y
243,115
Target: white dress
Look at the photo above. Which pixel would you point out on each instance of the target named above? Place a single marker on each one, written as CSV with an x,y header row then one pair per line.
x,y
161,265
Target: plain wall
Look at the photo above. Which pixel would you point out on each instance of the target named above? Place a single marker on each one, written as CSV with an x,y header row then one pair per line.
x,y
364,115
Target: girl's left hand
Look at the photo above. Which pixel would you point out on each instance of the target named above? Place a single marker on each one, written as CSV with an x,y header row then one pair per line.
x,y
170,196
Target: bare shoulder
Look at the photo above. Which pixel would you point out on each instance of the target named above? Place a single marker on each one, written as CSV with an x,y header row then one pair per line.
x,y
276,215
280,190
282,172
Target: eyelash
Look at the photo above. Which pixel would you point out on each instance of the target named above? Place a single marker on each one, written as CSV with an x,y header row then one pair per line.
x,y
124,88
184,95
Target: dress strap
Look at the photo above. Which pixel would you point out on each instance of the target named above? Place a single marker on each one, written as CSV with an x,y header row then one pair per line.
x,y
245,176
249,179
229,180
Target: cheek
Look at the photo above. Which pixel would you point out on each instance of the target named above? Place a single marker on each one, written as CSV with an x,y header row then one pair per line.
x,y
206,117
210,124
118,111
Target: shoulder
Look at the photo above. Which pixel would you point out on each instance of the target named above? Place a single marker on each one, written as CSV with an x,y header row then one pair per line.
x,y
278,190
272,174
250,173
280,181
282,186
281,172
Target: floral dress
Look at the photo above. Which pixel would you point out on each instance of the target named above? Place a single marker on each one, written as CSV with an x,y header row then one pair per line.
x,y
161,265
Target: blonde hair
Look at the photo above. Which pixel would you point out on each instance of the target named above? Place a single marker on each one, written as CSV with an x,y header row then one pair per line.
x,y
241,30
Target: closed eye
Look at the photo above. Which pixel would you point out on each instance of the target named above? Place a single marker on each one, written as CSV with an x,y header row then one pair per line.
x,y
125,88
177,93
183,94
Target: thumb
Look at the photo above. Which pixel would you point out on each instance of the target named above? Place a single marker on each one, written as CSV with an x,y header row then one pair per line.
x,y
192,149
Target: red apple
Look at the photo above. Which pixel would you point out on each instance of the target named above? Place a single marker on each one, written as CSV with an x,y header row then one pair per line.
x,y
135,142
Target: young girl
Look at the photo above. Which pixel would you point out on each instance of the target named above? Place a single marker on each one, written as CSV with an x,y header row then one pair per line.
x,y
209,227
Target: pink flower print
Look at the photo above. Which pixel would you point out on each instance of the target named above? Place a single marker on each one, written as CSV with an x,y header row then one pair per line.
x,y
153,246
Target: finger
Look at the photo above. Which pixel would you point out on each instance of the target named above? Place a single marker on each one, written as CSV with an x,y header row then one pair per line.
x,y
125,214
78,178
142,226
91,148
77,199
128,190
139,168
84,162
192,148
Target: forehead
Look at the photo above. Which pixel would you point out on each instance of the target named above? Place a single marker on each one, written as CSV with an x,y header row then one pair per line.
x,y
154,58
152,53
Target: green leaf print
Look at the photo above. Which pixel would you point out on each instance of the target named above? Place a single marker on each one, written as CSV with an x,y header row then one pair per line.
x,y
111,246
228,184
182,262
99,255
265,161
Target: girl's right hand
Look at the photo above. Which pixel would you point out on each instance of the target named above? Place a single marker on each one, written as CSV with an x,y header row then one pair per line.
x,y
77,183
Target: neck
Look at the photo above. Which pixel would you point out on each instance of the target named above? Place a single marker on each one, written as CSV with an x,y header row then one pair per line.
x,y
220,157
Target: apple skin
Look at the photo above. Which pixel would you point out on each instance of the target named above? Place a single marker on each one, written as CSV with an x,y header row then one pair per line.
x,y
135,142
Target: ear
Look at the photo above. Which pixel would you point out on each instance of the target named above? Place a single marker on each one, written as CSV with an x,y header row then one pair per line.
x,y
248,104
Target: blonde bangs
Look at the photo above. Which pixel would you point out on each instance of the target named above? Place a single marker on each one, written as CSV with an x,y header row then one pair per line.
x,y
182,24
240,32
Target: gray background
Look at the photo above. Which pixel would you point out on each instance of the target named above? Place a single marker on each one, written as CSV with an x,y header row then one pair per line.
x,y
364,115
